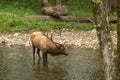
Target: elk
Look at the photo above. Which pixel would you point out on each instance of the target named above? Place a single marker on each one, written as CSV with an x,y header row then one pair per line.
x,y
46,45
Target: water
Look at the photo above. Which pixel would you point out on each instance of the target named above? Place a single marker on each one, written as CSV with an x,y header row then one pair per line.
x,y
81,64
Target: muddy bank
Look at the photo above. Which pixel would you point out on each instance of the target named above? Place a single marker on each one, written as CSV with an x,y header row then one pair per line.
x,y
82,39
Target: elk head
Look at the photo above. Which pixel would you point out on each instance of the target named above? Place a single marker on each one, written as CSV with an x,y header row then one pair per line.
x,y
60,48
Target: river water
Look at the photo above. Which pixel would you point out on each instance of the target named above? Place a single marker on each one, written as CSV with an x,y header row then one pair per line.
x,y
81,64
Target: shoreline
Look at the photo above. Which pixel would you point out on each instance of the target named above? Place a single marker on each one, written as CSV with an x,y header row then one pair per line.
x,y
82,39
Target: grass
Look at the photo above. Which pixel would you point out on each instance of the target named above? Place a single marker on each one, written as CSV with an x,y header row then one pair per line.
x,y
13,12
14,23
21,7
79,8
33,7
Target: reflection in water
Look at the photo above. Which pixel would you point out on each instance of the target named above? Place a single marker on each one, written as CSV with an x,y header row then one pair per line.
x,y
81,64
44,72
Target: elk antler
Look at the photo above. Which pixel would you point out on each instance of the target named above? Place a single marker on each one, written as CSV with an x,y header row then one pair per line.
x,y
60,33
51,37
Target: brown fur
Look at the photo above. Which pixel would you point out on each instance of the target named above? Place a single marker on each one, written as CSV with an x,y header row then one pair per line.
x,y
43,43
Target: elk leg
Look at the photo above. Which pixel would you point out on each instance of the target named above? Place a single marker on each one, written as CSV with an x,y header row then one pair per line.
x,y
44,58
38,52
33,55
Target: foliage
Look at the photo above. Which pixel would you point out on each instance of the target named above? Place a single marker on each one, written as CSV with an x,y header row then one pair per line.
x,y
13,12
21,7
33,7
12,23
79,8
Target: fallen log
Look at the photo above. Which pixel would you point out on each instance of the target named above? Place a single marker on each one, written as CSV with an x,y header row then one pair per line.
x,y
71,18
56,11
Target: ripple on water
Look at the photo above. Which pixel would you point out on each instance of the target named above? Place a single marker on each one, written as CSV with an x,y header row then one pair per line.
x,y
80,64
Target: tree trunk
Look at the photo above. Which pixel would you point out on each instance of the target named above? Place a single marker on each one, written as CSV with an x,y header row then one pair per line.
x,y
112,4
118,33
45,3
106,47
71,18
58,2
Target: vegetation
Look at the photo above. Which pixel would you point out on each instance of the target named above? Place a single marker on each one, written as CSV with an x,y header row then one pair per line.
x,y
33,7
11,23
13,12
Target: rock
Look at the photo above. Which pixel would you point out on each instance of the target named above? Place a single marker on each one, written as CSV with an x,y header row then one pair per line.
x,y
27,44
16,34
82,39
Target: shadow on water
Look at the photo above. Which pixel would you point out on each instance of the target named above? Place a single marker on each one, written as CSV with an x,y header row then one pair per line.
x,y
80,64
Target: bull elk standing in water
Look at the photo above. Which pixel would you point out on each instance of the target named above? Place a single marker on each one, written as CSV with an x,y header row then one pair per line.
x,y
46,45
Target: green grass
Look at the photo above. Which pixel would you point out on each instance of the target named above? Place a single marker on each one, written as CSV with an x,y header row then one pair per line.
x,y
21,7
79,8
33,7
13,12
14,23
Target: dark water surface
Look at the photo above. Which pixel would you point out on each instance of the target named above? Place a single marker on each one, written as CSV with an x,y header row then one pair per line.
x,y
81,64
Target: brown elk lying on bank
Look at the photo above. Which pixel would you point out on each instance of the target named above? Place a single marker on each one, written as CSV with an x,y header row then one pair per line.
x,y
46,45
